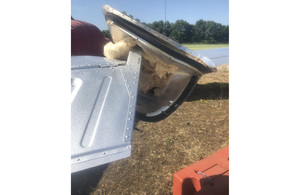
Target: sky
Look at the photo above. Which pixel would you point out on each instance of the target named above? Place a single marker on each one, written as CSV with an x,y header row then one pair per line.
x,y
154,10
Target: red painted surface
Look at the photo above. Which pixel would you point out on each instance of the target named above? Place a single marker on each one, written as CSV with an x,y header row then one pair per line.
x,y
216,167
86,39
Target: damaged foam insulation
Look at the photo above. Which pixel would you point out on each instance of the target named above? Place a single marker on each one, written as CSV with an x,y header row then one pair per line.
x,y
155,74
119,50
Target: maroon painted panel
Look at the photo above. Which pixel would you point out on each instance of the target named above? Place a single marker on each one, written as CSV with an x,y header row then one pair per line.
x,y
86,39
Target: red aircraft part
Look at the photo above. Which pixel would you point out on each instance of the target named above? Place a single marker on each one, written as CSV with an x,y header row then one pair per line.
x,y
86,39
209,176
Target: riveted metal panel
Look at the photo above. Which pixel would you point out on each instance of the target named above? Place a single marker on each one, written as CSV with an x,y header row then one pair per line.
x,y
104,97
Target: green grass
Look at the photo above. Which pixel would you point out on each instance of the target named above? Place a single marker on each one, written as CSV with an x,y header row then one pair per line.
x,y
200,46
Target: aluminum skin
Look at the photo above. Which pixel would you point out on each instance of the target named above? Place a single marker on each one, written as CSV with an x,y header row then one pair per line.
x,y
104,94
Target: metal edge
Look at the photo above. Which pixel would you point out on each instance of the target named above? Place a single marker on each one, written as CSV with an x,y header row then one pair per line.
x,y
163,41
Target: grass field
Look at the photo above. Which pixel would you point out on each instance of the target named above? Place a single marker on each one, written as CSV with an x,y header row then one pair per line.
x,y
200,46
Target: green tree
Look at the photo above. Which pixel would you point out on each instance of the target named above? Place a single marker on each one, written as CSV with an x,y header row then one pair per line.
x,y
157,26
106,33
199,29
225,34
210,32
182,31
168,28
162,27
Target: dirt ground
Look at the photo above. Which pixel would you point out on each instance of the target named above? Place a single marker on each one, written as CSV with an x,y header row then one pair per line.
x,y
197,129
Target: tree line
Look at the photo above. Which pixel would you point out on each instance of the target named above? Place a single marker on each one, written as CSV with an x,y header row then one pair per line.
x,y
183,32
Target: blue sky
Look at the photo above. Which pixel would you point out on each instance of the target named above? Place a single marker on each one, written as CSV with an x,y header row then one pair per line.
x,y
154,10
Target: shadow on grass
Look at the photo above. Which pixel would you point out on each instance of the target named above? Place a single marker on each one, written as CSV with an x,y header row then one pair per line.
x,y
210,91
84,182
